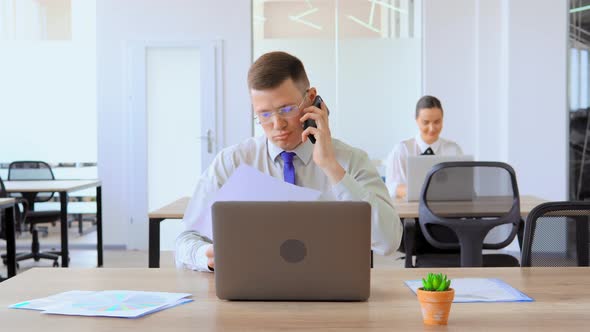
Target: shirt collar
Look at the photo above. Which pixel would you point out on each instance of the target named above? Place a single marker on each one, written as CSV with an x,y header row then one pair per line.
x,y
303,151
423,146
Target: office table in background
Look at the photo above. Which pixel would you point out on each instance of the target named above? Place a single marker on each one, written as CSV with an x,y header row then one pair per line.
x,y
63,187
175,210
8,205
562,299
409,210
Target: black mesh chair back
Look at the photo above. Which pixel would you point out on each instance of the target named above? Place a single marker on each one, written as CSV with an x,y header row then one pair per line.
x,y
31,171
3,193
556,234
18,214
461,202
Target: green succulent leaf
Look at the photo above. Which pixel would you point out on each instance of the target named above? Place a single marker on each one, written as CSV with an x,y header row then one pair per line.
x,y
436,282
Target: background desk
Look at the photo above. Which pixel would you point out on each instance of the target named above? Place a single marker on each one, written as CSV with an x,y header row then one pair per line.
x,y
409,210
175,210
63,187
8,204
562,300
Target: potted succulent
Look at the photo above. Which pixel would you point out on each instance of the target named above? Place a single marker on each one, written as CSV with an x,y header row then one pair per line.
x,y
435,298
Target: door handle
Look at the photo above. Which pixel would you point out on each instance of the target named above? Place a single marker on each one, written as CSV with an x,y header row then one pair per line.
x,y
209,138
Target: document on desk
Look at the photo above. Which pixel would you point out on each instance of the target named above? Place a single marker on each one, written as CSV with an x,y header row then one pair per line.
x,y
110,303
479,290
249,184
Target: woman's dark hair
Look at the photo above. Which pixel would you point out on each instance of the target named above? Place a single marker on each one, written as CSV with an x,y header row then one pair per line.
x,y
428,102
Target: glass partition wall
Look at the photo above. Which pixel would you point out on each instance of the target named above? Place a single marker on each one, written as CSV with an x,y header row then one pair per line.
x,y
579,104
364,58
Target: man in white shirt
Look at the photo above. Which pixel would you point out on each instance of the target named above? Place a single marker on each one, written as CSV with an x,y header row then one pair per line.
x,y
282,100
429,118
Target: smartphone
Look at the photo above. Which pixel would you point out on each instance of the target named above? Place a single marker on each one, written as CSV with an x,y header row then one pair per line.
x,y
317,102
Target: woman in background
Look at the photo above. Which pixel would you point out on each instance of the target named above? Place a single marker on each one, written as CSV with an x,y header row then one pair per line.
x,y
429,118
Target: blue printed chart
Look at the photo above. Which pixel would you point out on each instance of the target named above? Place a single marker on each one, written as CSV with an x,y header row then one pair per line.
x,y
112,303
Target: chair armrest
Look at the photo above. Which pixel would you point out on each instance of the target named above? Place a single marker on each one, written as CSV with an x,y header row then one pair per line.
x,y
409,240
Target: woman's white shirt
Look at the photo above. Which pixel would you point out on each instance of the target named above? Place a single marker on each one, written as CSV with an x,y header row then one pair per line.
x,y
396,162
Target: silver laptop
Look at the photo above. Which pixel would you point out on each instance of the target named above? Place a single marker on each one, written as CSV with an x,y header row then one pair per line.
x,y
306,251
418,166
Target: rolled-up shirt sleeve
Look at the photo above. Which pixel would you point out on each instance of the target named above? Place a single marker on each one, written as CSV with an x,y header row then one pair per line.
x,y
190,246
190,251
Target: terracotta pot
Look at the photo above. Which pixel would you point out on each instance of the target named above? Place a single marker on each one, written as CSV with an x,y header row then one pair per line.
x,y
436,306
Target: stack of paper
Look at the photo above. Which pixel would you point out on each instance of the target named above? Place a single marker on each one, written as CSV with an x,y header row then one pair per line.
x,y
112,303
479,290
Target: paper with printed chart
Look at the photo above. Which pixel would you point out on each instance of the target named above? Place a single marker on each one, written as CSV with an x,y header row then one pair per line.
x,y
110,303
479,290
249,184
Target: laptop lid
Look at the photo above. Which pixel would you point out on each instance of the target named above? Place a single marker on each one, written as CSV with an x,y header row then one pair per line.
x,y
418,166
292,250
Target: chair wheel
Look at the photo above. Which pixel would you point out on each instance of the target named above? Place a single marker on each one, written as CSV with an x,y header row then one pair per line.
x,y
17,266
36,259
55,264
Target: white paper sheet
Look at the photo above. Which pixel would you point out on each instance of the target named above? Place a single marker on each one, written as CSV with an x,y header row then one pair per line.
x,y
50,301
249,184
112,303
479,290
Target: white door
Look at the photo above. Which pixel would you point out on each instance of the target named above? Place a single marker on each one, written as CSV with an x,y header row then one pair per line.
x,y
174,102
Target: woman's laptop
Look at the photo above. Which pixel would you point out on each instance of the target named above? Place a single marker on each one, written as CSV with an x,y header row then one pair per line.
x,y
308,251
418,167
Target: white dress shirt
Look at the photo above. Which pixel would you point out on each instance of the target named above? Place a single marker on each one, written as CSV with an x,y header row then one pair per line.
x,y
396,163
360,183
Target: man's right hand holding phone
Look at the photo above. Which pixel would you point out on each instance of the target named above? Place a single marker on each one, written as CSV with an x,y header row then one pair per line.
x,y
323,151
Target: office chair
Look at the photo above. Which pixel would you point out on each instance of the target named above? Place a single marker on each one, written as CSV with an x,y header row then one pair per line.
x,y
556,234
27,171
20,214
460,203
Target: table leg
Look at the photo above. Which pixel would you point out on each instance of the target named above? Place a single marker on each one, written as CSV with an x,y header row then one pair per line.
x,y
99,249
10,241
63,198
154,242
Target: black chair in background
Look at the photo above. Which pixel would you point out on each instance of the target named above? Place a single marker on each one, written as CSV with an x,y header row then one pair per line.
x,y
460,203
30,171
20,215
556,234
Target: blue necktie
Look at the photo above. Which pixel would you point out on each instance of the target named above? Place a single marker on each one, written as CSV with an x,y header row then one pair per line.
x,y
288,168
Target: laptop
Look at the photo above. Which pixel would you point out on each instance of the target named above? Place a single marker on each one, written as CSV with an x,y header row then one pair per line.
x,y
417,168
303,251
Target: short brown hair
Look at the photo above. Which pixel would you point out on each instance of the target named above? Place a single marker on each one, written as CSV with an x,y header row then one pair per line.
x,y
428,102
271,69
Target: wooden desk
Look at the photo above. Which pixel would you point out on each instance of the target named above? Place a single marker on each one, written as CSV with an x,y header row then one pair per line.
x,y
8,204
562,299
63,187
174,210
408,210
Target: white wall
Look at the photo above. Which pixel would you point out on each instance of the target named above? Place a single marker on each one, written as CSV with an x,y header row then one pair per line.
x,y
500,67
537,98
157,20
48,94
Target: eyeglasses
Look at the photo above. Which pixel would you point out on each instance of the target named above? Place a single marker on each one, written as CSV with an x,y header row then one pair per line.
x,y
284,112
